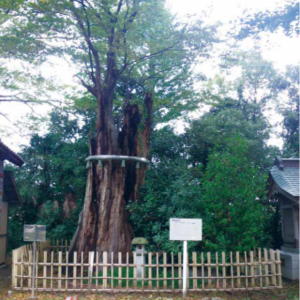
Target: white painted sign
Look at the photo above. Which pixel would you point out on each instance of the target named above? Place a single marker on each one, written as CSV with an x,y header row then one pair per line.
x,y
185,229
34,233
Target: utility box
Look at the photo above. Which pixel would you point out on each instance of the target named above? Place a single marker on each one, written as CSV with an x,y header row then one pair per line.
x,y
139,256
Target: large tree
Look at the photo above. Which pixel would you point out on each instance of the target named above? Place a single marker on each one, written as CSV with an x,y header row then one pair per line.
x,y
134,61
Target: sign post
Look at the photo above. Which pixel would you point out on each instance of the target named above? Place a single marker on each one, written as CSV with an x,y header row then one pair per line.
x,y
185,230
34,233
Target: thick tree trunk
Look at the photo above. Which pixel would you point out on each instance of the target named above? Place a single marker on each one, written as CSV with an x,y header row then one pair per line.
x,y
104,224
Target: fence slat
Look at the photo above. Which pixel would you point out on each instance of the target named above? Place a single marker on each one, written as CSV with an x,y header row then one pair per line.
x,y
81,269
74,269
165,269
45,270
202,270
30,268
238,268
279,268
252,269
194,261
224,269
150,269
172,270
257,269
97,270
266,267
209,269
260,268
273,266
14,268
231,269
105,269
246,269
59,268
179,270
67,271
157,270
51,269
217,270
112,270
120,269
127,270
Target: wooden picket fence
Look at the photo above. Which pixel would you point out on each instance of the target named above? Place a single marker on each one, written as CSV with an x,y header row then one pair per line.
x,y
94,271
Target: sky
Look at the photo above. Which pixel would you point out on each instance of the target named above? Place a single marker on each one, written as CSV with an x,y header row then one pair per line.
x,y
277,48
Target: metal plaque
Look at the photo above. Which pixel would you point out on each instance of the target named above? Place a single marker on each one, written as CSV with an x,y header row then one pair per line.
x,y
185,229
34,233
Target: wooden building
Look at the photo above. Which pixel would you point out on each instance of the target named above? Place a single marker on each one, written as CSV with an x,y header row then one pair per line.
x,y
8,194
284,179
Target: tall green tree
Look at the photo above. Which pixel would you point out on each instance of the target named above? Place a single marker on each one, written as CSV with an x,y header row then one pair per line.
x,y
134,60
285,18
291,114
225,120
52,181
233,188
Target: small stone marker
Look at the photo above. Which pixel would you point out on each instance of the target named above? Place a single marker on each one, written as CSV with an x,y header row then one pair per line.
x,y
139,257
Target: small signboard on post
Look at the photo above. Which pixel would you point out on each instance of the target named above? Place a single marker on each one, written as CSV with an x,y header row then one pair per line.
x,y
185,230
34,233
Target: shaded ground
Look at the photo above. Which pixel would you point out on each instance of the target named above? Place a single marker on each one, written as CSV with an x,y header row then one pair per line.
x,y
290,291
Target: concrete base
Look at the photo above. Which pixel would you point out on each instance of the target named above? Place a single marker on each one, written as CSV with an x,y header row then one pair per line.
x,y
290,263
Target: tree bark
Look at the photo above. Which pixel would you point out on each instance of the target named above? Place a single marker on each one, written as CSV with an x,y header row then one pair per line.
x,y
104,224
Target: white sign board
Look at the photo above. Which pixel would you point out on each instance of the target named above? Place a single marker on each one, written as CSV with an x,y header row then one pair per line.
x,y
34,233
185,229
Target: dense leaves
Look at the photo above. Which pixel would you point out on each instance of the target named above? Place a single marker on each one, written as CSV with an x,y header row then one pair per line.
x,y
51,182
233,189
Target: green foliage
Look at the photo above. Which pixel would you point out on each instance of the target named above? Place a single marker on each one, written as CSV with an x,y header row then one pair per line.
x,y
171,190
54,170
291,114
285,18
227,119
124,47
227,194
232,192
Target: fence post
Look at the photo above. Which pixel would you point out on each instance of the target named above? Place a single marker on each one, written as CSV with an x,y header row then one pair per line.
x,y
119,269
150,269
237,259
278,261
252,269
266,266
14,268
105,269
59,269
45,270
194,255
165,269
224,269
273,266
209,269
74,269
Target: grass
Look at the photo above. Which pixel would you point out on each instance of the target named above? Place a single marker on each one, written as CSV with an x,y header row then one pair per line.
x,y
114,280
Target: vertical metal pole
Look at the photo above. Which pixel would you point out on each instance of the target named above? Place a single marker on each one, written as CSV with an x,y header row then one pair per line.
x,y
184,273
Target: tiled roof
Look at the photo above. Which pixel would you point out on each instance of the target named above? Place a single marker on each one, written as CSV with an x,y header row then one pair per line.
x,y
286,175
6,153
